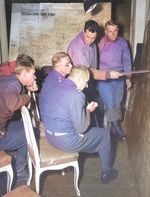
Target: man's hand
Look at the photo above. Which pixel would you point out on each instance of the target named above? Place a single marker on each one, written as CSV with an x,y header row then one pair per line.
x,y
91,106
128,82
114,74
32,88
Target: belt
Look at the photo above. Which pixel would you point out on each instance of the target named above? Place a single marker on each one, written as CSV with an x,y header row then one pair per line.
x,y
56,134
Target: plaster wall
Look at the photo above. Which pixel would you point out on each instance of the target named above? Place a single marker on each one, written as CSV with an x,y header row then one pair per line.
x,y
139,12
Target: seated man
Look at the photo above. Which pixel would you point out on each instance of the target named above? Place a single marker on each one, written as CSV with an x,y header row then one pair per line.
x,y
61,67
12,135
67,119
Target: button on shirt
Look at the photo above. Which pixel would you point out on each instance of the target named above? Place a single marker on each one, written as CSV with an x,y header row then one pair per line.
x,y
114,55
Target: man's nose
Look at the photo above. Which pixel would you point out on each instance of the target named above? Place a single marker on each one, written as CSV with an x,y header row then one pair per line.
x,y
90,40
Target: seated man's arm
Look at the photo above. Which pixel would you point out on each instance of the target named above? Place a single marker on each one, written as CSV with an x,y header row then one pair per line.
x,y
79,115
12,98
32,88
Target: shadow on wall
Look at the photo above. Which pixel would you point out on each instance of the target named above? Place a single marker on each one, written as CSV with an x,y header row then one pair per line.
x,y
100,34
121,30
95,11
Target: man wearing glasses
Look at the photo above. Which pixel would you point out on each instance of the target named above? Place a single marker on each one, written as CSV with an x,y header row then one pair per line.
x,y
61,67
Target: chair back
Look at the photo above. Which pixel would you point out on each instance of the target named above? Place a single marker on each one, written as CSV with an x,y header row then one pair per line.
x,y
32,145
34,110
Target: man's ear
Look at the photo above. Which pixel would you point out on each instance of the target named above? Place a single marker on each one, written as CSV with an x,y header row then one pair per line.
x,y
57,68
24,73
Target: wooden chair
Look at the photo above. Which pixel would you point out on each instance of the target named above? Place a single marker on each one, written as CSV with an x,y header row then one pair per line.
x,y
5,166
47,157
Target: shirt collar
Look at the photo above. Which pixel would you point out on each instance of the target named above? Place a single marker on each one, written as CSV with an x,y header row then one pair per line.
x,y
113,41
15,77
57,74
70,82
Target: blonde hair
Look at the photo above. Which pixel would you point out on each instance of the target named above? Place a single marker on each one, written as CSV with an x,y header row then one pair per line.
x,y
80,71
22,65
111,22
57,57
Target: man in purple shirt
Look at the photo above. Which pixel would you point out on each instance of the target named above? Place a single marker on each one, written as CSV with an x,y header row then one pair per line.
x,y
67,119
61,67
114,55
83,50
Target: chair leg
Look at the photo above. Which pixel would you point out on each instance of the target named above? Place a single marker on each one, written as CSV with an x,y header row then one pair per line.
x,y
10,176
76,178
30,170
63,172
37,181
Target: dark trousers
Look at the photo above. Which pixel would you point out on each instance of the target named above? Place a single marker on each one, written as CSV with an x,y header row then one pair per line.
x,y
15,140
94,140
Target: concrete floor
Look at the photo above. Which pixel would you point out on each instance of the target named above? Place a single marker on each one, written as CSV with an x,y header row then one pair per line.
x,y
53,184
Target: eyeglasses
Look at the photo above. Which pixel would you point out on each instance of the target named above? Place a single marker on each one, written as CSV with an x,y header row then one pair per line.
x,y
69,64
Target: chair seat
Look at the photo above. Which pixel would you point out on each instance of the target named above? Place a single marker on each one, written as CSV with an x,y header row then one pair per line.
x,y
5,159
52,156
46,157
22,191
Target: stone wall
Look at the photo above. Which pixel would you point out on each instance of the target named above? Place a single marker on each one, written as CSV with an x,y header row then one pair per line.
x,y
138,122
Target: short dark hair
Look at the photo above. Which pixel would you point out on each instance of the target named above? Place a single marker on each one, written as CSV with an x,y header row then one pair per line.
x,y
91,26
24,57
111,22
22,65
